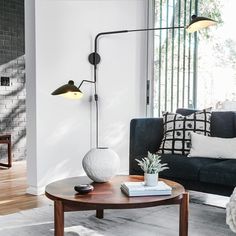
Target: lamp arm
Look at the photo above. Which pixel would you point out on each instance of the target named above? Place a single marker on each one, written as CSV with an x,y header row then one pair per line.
x,y
94,58
87,81
105,33
129,31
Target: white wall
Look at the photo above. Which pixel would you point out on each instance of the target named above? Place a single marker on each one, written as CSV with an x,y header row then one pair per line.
x,y
61,131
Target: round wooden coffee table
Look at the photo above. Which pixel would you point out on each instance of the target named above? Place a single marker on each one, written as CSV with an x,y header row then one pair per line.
x,y
109,196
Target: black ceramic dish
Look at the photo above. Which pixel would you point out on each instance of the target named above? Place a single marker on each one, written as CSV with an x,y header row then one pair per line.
x,y
84,188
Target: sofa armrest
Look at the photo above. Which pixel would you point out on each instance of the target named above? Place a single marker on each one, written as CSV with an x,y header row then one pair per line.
x,y
145,135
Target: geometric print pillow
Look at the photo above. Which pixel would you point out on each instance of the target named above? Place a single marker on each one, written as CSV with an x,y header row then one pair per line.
x,y
177,129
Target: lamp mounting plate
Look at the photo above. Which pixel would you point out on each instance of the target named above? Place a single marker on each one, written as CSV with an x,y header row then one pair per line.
x,y
94,58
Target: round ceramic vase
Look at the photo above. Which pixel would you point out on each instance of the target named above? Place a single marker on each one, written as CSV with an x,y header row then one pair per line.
x,y
150,179
101,164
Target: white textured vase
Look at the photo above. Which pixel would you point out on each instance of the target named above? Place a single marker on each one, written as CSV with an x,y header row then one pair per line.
x,y
101,164
150,179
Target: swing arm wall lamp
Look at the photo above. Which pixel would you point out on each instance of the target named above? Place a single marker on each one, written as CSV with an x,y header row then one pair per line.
x,y
71,91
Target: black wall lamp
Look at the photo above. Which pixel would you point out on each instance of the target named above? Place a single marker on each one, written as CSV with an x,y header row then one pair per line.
x,y
71,91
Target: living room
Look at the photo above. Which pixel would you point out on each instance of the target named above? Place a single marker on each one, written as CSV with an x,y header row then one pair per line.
x,y
138,72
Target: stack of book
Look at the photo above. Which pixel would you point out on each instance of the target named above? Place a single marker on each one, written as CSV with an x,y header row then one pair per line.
x,y
133,189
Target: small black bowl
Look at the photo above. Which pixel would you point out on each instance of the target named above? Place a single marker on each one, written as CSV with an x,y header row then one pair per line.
x,y
84,188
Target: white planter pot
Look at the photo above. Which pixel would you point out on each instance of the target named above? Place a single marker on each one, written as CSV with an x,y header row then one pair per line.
x,y
150,179
101,164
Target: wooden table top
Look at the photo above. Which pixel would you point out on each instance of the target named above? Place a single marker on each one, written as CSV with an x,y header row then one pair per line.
x,y
109,195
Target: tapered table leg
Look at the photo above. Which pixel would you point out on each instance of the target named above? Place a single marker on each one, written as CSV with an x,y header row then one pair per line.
x,y
58,218
99,214
183,218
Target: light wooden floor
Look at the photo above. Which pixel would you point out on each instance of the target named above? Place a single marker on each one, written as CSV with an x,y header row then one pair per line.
x,y
13,196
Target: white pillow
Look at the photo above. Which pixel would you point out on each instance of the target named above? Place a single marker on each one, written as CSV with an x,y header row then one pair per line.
x,y
212,147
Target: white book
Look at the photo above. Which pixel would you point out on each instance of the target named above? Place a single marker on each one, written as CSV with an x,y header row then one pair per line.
x,y
141,187
146,193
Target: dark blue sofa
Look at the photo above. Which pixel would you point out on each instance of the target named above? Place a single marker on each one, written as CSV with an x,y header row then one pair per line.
x,y
217,176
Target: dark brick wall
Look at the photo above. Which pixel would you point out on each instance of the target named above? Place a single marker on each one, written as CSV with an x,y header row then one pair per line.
x,y
12,65
11,29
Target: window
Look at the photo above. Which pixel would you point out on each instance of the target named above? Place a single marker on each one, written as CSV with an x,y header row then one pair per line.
x,y
183,72
216,84
174,60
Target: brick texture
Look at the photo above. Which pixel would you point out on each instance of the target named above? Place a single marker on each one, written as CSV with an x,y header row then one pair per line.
x,y
12,64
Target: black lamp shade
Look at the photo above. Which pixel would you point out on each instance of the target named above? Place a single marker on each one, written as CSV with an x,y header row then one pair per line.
x,y
69,90
198,23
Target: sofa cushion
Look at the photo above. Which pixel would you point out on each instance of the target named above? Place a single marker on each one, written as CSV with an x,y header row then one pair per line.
x,y
222,122
212,147
182,167
177,129
223,172
185,111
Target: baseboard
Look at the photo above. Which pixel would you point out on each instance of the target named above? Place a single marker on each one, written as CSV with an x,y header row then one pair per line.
x,y
35,190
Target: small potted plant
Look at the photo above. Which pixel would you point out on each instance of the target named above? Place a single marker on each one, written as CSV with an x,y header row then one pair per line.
x,y
151,165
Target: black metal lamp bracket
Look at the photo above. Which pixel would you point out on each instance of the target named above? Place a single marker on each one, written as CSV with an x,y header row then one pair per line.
x,y
94,58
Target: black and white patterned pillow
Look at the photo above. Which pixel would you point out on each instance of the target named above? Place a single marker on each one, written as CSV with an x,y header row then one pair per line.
x,y
177,129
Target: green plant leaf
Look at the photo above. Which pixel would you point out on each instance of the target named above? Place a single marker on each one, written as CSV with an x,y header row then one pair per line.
x,y
152,164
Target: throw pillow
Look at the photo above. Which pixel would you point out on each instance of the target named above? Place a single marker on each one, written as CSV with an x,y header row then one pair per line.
x,y
212,147
177,129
